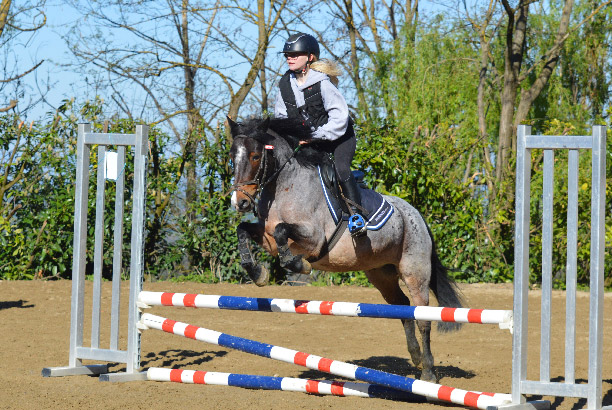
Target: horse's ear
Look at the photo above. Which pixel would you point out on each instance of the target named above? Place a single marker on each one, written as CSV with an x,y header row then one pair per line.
x,y
233,126
265,125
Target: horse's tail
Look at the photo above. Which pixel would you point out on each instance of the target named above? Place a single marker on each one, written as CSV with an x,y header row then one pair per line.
x,y
444,288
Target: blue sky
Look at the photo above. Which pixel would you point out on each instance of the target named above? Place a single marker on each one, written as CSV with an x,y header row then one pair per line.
x,y
48,44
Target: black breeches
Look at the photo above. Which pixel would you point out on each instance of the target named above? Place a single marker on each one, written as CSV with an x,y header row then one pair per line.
x,y
343,150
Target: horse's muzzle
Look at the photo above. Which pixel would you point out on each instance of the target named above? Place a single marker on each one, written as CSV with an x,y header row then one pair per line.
x,y
242,203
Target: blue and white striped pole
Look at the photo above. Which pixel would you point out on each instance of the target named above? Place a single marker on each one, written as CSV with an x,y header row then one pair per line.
x,y
281,383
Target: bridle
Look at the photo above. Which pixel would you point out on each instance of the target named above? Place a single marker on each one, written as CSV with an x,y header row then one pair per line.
x,y
257,180
261,179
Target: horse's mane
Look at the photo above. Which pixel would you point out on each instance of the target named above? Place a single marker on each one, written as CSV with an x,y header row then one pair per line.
x,y
292,131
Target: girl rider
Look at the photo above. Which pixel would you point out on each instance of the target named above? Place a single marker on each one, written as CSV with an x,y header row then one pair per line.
x,y
309,94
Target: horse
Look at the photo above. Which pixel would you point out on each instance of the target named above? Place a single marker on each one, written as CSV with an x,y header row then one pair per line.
x,y
294,223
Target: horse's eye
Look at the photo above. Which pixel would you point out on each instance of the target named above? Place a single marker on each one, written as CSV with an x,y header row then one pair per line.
x,y
256,157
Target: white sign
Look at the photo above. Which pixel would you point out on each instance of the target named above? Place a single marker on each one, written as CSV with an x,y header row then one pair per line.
x,y
110,169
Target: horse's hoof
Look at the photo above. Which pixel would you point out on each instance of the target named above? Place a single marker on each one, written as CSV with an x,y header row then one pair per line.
x,y
262,277
296,264
429,376
306,267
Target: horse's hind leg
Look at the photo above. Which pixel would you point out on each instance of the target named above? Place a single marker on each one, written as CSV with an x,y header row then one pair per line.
x,y
247,231
385,279
415,271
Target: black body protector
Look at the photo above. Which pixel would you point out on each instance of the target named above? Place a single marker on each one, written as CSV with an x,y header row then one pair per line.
x,y
312,112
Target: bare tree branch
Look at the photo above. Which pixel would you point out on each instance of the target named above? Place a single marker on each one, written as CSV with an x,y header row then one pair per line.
x,y
8,80
12,104
5,7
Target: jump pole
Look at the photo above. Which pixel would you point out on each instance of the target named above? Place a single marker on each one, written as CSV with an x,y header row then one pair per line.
x,y
430,313
431,390
248,381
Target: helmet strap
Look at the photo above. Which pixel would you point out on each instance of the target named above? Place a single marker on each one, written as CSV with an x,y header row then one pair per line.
x,y
307,66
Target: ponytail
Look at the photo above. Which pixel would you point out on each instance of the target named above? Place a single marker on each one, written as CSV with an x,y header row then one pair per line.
x,y
331,68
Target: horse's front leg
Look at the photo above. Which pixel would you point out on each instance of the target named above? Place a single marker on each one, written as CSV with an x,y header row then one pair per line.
x,y
295,263
247,231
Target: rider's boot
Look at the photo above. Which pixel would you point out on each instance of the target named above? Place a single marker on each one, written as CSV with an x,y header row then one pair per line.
x,y
357,223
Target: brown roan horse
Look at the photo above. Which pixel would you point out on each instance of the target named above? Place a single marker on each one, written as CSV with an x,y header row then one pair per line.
x,y
277,179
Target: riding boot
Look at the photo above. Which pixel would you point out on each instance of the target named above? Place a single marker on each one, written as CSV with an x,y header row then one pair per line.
x,y
357,222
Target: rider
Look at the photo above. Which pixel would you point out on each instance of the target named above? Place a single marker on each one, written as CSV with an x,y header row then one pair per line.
x,y
309,94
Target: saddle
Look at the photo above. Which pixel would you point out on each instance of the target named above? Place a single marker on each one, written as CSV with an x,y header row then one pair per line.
x,y
378,210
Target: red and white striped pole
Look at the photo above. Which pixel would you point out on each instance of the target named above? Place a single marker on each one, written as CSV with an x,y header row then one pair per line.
x,y
323,387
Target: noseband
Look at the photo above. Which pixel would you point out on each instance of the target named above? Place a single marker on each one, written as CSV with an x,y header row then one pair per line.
x,y
260,177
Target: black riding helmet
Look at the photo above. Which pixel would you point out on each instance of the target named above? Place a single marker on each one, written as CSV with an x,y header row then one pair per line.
x,y
301,43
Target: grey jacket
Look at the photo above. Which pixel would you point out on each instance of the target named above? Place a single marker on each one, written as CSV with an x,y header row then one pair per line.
x,y
333,101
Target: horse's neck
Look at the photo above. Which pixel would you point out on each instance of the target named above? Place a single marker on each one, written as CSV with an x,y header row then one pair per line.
x,y
297,184
290,177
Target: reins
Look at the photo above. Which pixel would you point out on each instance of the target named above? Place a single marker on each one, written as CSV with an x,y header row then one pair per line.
x,y
278,171
260,178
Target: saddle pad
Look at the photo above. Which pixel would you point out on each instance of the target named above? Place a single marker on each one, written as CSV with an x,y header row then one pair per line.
x,y
379,210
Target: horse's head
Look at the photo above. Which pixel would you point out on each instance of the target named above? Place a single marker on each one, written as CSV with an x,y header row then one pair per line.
x,y
260,150
249,159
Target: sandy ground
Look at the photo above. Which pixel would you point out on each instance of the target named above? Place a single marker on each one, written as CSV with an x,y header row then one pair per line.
x,y
35,319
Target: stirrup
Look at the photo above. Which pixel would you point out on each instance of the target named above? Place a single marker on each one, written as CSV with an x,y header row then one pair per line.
x,y
357,225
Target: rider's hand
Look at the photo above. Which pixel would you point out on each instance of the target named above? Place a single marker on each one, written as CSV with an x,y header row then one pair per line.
x,y
304,142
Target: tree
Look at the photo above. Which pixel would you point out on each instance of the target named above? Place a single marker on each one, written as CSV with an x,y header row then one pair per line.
x,y
193,61
195,49
266,26
585,62
524,80
36,199
15,21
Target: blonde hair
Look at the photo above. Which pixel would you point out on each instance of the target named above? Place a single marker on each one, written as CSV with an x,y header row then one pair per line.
x,y
331,68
